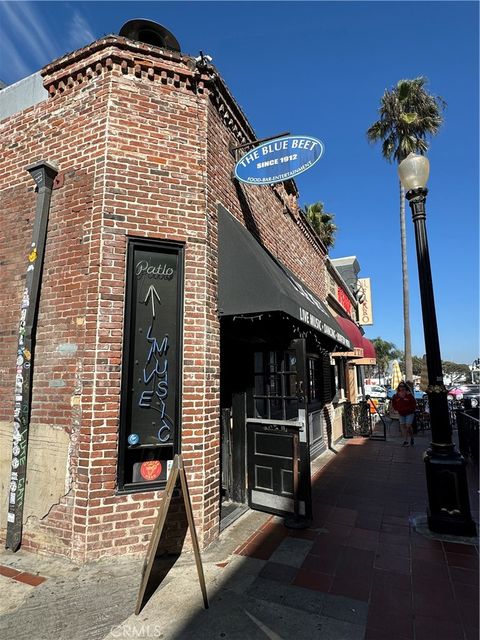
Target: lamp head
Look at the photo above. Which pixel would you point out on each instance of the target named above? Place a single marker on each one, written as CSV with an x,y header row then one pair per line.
x,y
414,171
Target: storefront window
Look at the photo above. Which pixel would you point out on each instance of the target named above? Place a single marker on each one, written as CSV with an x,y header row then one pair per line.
x,y
276,390
315,427
275,387
339,379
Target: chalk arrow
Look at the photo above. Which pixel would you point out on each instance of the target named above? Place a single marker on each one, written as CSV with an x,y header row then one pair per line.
x,y
152,293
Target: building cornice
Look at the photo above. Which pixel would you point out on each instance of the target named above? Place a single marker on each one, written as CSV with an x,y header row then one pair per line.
x,y
155,64
136,58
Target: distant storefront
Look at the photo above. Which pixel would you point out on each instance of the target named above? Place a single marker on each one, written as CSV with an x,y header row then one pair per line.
x,y
347,299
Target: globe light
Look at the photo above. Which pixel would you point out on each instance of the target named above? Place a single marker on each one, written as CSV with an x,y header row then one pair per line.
x,y
413,171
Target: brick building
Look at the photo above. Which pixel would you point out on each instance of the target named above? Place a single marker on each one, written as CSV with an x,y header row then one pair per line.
x,y
141,137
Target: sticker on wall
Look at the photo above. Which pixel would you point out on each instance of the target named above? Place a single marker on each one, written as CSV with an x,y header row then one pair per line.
x,y
25,300
150,471
133,439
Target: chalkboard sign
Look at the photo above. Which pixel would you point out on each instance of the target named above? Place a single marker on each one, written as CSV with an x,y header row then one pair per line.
x,y
149,429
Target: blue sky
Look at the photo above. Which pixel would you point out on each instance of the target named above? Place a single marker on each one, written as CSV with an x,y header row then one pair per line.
x,y
320,68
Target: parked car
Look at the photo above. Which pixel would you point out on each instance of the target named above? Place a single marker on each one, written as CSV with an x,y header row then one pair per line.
x,y
462,392
375,391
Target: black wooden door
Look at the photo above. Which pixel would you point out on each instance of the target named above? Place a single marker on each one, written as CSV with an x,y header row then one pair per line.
x,y
280,415
270,466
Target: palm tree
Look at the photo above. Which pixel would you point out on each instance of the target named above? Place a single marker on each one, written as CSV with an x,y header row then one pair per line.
x,y
322,223
408,114
385,352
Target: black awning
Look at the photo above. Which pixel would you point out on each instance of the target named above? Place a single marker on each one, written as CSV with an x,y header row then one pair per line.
x,y
252,281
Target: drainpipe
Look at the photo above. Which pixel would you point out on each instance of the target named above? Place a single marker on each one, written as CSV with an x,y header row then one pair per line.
x,y
43,173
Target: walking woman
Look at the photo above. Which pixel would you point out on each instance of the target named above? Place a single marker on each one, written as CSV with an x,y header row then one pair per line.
x,y
404,404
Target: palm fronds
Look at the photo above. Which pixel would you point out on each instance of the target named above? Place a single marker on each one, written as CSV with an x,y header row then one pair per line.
x,y
321,222
408,115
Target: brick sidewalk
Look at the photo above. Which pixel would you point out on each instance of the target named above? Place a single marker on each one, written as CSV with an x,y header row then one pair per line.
x,y
362,546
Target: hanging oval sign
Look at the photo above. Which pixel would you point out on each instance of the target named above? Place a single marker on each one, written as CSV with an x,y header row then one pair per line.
x,y
279,160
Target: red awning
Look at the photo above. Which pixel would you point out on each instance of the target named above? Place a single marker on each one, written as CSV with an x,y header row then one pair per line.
x,y
352,332
368,349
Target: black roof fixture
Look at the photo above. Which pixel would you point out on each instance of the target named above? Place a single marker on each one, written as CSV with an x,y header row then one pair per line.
x,y
150,32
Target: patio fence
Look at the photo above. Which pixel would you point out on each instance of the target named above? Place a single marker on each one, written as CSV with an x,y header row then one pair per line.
x,y
468,427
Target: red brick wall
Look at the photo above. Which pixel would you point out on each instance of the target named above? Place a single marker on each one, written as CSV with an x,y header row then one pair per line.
x,y
154,187
144,152
140,138
56,131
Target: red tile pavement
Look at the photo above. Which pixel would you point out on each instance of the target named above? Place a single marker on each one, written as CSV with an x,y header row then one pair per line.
x,y
29,578
263,542
364,546
8,571
21,576
311,579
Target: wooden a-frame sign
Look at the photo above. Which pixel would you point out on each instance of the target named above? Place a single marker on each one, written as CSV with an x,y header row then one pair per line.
x,y
177,472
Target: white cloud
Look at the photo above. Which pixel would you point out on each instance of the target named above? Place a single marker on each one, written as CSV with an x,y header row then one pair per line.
x,y
79,33
13,67
31,38
25,21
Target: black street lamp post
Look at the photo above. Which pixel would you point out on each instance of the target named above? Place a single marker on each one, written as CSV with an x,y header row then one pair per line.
x,y
449,506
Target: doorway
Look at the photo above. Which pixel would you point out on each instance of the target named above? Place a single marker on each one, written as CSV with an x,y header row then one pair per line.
x,y
277,432
235,382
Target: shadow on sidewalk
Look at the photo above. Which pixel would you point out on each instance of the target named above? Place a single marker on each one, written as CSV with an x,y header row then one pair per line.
x,y
360,571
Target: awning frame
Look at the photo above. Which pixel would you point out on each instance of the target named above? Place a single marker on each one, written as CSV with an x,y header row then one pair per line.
x,y
252,281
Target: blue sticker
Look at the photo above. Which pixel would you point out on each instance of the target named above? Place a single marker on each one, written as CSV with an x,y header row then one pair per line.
x,y
133,439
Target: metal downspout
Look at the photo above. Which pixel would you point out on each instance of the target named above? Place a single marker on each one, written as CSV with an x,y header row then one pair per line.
x,y
43,173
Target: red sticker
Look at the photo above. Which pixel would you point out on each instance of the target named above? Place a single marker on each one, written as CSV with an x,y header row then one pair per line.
x,y
151,470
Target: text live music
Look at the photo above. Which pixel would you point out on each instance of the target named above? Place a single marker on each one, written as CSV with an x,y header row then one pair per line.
x,y
151,382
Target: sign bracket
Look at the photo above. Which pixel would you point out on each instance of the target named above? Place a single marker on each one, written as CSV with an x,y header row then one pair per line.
x,y
251,144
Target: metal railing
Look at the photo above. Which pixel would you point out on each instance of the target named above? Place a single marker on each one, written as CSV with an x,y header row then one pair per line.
x,y
468,432
422,414
360,420
422,417
356,420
